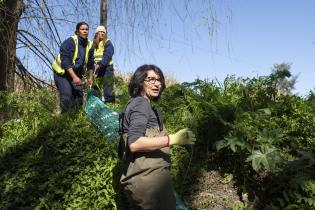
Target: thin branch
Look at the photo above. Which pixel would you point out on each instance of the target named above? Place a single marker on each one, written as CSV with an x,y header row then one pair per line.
x,y
48,24
23,72
53,22
37,52
40,42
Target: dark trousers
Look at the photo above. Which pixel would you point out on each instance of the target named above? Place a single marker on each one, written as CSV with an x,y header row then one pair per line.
x,y
108,81
70,95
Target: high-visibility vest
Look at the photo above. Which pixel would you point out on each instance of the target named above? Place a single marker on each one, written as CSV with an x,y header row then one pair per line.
x,y
56,65
98,53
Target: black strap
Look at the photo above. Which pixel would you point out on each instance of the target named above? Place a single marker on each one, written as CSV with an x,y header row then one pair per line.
x,y
123,149
121,118
159,118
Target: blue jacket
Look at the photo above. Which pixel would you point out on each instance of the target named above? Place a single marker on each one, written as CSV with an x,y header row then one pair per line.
x,y
107,55
67,51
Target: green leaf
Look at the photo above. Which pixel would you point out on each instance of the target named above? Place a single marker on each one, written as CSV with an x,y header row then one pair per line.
x,y
265,111
262,159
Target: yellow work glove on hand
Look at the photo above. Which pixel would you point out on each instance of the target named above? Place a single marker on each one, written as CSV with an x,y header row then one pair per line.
x,y
184,136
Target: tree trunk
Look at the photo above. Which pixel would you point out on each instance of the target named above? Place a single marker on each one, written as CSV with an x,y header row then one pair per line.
x,y
10,12
103,16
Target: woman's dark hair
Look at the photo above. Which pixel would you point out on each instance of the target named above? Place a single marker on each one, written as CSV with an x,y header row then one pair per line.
x,y
79,25
135,86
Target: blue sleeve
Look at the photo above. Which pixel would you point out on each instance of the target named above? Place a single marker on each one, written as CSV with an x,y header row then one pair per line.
x,y
90,63
108,54
66,53
139,117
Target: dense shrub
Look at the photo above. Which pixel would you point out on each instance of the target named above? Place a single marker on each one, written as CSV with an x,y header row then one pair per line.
x,y
50,162
251,121
246,127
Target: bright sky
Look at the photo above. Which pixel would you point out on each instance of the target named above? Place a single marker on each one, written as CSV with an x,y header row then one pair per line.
x,y
248,38
252,36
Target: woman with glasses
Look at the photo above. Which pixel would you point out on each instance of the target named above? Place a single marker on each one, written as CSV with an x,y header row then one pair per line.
x,y
145,145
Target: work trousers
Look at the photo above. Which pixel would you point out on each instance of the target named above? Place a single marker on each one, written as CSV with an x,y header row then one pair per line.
x,y
107,73
70,95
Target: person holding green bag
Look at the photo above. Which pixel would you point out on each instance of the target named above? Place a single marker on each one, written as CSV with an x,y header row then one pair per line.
x,y
75,58
145,144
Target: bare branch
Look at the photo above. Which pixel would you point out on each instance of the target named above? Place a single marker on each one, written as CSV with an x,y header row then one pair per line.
x,y
27,77
37,52
40,42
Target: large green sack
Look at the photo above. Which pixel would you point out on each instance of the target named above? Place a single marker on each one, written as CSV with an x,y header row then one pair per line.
x,y
103,117
106,121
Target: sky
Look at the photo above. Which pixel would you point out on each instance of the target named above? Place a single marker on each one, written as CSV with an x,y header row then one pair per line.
x,y
250,37
216,38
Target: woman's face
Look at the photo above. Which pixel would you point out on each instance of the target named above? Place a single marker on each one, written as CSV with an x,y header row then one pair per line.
x,y
83,31
101,35
151,85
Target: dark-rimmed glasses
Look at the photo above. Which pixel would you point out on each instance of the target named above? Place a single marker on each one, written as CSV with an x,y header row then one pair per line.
x,y
153,80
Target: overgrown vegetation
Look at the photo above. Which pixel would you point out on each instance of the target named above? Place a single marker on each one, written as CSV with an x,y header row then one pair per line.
x,y
247,129
50,162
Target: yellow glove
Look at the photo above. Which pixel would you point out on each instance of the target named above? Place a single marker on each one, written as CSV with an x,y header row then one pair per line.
x,y
184,136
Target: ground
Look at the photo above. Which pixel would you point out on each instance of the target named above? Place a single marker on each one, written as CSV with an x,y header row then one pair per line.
x,y
213,191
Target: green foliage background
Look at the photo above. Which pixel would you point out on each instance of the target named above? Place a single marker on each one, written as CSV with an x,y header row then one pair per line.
x,y
63,162
50,162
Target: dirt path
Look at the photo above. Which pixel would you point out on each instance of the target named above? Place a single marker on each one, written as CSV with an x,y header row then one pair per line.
x,y
212,192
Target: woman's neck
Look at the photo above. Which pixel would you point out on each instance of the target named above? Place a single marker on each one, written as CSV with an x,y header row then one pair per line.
x,y
83,40
146,97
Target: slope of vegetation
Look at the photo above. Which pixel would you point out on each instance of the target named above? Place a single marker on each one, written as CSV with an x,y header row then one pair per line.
x,y
259,139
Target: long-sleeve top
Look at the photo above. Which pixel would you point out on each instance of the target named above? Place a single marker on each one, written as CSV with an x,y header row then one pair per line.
x,y
139,115
107,54
66,52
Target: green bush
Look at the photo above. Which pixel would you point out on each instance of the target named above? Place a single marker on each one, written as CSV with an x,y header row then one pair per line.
x,y
50,162
63,162
249,120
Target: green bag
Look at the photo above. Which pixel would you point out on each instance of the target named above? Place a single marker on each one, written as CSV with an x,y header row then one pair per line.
x,y
103,117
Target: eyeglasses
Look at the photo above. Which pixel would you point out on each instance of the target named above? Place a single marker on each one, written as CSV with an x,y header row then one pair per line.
x,y
153,80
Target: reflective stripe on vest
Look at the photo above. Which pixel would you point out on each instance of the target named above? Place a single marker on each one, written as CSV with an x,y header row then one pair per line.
x,y
98,53
56,65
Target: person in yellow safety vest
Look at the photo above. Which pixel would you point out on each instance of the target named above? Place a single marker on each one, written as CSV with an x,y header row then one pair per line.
x,y
75,57
103,53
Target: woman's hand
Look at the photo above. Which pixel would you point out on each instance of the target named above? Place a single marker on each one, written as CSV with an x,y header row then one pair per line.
x,y
77,81
97,68
90,82
184,136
